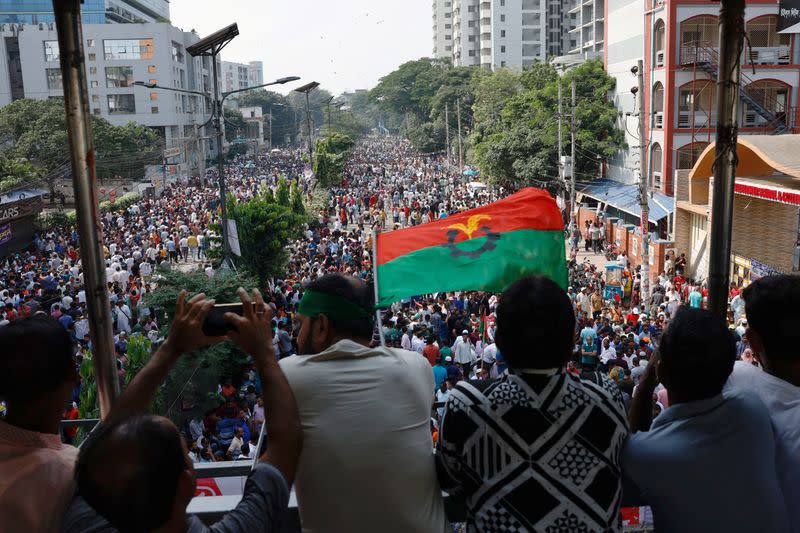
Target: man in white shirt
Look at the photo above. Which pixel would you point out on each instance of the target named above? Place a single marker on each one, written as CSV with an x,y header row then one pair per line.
x,y
773,311
405,341
417,344
463,352
353,444
235,449
123,314
608,352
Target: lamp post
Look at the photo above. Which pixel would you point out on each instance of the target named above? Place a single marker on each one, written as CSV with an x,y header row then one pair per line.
x,y
306,89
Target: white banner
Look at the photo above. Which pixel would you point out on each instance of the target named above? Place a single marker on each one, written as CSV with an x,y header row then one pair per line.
x,y
233,238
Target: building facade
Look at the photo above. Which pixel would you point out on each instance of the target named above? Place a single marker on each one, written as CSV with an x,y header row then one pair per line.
x,y
679,44
587,28
92,11
117,55
500,33
236,76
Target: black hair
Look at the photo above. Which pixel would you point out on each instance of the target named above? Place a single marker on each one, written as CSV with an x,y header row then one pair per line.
x,y
697,353
128,471
356,292
535,324
772,305
36,355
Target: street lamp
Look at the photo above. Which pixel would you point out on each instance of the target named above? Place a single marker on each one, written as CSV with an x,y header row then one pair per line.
x,y
307,88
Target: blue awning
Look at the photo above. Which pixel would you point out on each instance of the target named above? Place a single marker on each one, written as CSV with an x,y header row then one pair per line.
x,y
20,194
626,198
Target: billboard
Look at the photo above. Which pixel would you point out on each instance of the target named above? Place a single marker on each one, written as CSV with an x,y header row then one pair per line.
x,y
789,16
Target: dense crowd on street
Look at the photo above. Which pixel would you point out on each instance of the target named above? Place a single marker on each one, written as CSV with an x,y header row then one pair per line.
x,y
547,409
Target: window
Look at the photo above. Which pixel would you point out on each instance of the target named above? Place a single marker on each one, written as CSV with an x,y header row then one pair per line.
x,y
154,110
448,37
121,104
530,4
128,48
502,63
531,34
151,69
529,50
95,98
153,81
92,57
470,24
697,96
119,76
93,84
689,154
470,9
177,52
502,33
531,19
655,165
503,49
448,48
471,38
96,111
153,96
502,18
660,33
471,53
448,15
502,3
448,26
53,78
658,105
92,70
763,33
51,52
89,42
702,31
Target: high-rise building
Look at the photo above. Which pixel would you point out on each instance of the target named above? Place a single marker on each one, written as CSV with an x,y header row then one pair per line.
x,y
587,27
443,29
92,11
235,76
116,56
500,33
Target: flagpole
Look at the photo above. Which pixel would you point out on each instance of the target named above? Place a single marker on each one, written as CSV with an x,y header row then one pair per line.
x,y
375,284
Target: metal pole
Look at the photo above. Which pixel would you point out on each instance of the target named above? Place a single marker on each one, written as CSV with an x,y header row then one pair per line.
x,y
460,146
572,164
226,246
308,123
270,127
731,39
644,223
447,132
82,156
375,285
560,140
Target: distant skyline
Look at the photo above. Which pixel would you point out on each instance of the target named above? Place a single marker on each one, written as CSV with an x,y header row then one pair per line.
x,y
344,45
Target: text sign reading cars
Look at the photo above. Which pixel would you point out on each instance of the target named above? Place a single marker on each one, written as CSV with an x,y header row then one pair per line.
x,y
20,209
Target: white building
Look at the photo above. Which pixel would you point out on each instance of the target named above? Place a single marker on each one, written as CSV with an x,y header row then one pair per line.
x,y
236,76
587,27
117,55
443,29
501,33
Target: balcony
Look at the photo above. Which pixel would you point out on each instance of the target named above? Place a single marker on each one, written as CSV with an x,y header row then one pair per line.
x,y
768,55
697,119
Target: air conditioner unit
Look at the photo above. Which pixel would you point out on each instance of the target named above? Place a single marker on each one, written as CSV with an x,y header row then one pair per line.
x,y
750,118
684,120
660,58
657,179
659,122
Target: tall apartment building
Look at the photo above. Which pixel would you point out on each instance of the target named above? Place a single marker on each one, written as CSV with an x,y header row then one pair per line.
x,y
237,76
116,56
679,44
443,29
92,11
500,33
587,27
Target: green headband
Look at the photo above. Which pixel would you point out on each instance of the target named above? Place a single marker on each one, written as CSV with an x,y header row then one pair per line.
x,y
319,303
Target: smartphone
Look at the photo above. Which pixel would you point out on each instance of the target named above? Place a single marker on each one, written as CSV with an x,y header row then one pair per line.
x,y
215,324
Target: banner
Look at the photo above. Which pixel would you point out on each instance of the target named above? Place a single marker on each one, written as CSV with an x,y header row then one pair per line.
x,y
789,16
5,233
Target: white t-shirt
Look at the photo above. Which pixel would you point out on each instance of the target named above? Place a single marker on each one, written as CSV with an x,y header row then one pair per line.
x,y
365,413
783,402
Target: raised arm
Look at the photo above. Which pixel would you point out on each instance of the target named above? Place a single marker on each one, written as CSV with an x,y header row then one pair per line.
x,y
254,335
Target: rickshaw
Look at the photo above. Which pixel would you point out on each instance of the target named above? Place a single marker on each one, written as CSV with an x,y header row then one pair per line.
x,y
613,282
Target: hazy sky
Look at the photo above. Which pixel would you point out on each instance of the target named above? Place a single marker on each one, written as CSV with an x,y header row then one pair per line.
x,y
343,44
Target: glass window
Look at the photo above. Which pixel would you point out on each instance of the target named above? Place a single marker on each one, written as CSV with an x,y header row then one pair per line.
x,y
51,52
763,33
119,76
96,111
53,78
95,98
153,81
92,57
689,154
153,96
121,104
151,69
93,84
154,110
177,52
128,48
89,42
92,70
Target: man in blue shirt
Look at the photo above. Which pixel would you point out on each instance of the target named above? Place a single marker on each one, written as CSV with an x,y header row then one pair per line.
x,y
696,298
707,448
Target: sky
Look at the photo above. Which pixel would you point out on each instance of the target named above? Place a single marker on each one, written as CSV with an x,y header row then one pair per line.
x,y
343,44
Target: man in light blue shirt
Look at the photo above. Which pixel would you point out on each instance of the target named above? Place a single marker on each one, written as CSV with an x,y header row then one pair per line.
x,y
695,298
707,463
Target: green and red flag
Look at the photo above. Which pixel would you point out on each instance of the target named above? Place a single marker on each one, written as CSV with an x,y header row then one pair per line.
x,y
485,249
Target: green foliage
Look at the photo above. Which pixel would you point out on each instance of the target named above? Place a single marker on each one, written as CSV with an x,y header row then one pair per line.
x,y
202,370
235,126
516,124
265,225
236,149
283,114
34,147
330,156
296,200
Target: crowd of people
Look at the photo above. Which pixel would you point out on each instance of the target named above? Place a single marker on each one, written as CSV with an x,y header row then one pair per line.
x,y
546,409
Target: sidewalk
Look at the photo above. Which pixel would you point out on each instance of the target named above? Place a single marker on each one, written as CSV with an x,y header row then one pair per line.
x,y
599,259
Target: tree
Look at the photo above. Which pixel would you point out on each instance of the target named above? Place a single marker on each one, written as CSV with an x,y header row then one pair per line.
x,y
265,225
284,115
331,154
516,124
235,126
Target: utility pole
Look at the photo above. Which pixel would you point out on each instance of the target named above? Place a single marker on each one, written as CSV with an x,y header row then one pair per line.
x,y
447,131
460,147
560,140
643,191
572,162
731,40
270,127
308,123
